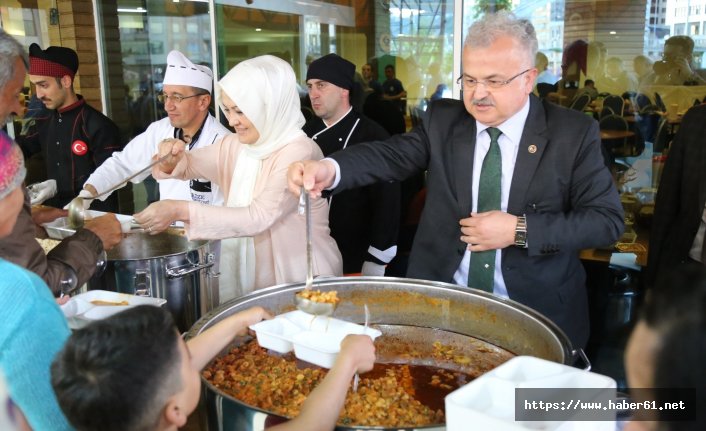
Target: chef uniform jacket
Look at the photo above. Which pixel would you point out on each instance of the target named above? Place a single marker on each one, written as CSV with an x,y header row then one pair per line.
x,y
74,141
138,154
364,221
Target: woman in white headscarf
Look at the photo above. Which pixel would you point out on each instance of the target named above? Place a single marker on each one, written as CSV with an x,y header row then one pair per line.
x,y
260,100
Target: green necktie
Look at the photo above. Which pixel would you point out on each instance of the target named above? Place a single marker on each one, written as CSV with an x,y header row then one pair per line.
x,y
482,269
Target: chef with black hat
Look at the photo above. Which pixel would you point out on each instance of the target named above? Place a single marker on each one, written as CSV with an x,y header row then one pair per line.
x,y
74,138
363,221
187,97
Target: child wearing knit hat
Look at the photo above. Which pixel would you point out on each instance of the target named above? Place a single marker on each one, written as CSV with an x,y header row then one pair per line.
x,y
32,328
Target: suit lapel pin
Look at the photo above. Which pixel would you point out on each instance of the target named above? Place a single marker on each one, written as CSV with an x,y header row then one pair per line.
x,y
532,149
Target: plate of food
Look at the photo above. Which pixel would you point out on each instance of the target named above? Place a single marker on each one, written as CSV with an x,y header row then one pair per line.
x,y
99,304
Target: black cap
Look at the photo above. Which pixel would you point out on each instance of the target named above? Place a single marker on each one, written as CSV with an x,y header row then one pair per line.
x,y
334,69
58,55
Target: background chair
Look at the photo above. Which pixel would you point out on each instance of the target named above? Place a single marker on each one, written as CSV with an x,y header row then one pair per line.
x,y
615,146
580,103
544,88
605,111
616,103
660,103
662,137
643,105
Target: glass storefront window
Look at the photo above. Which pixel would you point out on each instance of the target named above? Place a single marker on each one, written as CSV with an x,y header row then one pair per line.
x,y
621,45
135,53
416,38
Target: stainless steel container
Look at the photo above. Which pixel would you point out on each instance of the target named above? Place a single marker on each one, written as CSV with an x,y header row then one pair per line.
x,y
163,266
397,302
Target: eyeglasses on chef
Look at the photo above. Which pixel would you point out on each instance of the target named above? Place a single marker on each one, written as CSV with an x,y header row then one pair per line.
x,y
176,98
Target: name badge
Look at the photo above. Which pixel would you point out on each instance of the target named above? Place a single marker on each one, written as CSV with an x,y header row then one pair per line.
x,y
201,191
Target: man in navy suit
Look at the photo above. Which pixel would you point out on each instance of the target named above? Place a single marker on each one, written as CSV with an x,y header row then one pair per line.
x,y
556,196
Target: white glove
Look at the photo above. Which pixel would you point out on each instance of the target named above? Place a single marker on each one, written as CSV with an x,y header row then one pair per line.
x,y
372,268
40,192
88,198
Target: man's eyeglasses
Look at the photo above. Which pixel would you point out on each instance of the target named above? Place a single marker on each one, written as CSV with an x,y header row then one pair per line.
x,y
176,98
469,82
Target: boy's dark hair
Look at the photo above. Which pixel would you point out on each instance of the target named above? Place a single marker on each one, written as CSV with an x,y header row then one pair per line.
x,y
676,310
118,373
588,82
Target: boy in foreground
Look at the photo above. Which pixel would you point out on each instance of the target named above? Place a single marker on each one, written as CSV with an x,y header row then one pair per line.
x,y
105,377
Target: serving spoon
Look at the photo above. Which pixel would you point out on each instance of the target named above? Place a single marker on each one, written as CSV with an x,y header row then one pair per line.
x,y
306,305
77,212
356,379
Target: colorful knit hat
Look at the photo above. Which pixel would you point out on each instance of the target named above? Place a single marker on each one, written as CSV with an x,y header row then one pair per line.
x,y
12,165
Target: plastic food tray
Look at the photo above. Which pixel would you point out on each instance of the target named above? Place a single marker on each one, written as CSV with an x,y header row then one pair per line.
x,y
59,228
488,402
316,340
81,307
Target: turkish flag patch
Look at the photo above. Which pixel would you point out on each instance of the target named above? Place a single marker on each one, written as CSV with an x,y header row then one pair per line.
x,y
79,147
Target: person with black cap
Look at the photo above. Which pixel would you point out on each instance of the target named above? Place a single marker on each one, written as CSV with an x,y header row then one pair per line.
x,y
73,261
363,221
74,138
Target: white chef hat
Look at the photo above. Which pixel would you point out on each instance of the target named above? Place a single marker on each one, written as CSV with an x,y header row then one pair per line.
x,y
181,71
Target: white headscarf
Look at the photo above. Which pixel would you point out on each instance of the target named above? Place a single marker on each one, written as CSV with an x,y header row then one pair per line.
x,y
264,88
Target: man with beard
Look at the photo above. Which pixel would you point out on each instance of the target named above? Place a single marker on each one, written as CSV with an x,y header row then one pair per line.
x,y
73,261
364,221
74,138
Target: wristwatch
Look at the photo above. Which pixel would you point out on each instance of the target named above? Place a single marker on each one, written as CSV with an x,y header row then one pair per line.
x,y
521,232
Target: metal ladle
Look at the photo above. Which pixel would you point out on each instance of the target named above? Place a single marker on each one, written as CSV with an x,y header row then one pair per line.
x,y
356,379
304,304
77,213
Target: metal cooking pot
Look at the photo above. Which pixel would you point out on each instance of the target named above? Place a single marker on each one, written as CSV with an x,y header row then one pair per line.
x,y
395,302
166,266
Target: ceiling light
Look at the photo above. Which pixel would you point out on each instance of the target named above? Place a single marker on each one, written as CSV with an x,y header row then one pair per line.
x,y
130,10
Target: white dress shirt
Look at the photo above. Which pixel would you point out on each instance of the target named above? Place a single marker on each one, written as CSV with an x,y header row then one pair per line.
x,y
509,143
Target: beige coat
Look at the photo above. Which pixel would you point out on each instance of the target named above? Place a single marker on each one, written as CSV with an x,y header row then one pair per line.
x,y
279,232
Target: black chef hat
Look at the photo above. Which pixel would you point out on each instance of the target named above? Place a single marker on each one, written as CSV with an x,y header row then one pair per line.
x,y
334,69
55,61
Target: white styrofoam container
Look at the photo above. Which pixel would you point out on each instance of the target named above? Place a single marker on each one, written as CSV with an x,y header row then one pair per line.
x,y
315,340
276,334
488,402
80,306
322,348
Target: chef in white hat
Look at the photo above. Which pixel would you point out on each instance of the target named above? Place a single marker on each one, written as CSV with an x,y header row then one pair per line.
x,y
186,96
